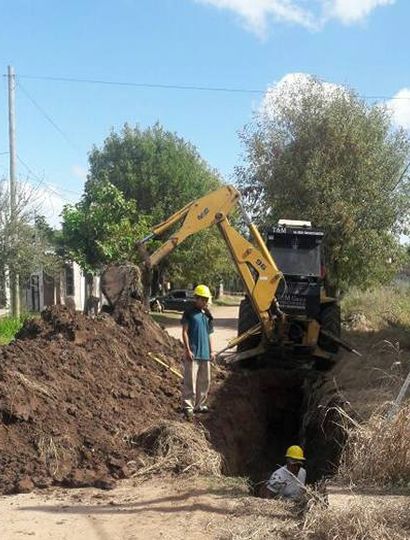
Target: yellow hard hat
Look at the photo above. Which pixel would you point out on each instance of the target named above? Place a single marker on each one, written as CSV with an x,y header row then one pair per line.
x,y
202,290
295,452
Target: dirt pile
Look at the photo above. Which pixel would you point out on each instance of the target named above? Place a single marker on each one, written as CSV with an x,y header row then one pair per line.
x,y
75,391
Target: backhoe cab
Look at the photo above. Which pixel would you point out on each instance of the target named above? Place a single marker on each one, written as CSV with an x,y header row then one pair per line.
x,y
312,327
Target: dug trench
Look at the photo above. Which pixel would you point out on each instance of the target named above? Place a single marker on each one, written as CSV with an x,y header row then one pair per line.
x,y
257,414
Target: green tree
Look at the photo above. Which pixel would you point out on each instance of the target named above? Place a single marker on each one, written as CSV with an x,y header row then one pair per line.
x,y
316,151
102,228
158,173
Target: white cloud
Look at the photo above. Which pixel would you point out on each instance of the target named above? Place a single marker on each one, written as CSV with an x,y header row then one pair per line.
x,y
351,11
292,87
47,199
40,199
80,172
256,14
44,199
400,107
51,205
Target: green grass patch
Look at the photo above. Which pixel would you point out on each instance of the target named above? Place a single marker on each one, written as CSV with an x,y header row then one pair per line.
x,y
9,326
382,306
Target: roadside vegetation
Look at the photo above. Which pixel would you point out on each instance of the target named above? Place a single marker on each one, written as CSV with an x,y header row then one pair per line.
x,y
377,308
9,326
27,242
377,452
375,477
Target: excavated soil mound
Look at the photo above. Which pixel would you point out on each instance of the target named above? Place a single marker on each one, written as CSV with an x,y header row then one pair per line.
x,y
74,393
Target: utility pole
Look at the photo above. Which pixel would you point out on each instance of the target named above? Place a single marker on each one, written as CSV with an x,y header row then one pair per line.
x,y
14,278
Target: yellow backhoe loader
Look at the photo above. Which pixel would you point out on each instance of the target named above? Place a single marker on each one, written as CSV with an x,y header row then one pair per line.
x,y
309,323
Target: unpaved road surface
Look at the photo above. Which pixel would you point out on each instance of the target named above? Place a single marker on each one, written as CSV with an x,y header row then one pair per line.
x,y
158,509
167,507
148,511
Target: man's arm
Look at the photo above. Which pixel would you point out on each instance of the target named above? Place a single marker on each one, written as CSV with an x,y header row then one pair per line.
x,y
210,335
275,484
211,347
185,339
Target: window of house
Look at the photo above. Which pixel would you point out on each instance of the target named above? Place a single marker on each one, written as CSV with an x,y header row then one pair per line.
x,y
69,279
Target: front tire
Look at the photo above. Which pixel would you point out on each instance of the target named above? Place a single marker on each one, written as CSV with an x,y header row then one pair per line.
x,y
330,321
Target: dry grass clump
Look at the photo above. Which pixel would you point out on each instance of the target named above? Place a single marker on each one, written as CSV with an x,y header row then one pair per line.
x,y
377,452
260,519
178,447
359,520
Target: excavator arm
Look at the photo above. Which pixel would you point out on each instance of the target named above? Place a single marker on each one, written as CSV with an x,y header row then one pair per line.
x,y
253,261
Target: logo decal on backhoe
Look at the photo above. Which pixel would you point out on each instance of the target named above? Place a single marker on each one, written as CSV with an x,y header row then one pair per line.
x,y
261,264
204,213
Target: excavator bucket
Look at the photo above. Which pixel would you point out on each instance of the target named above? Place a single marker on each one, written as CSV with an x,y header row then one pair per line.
x,y
120,283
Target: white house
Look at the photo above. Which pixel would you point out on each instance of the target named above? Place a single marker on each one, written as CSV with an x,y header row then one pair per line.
x,y
70,286
42,290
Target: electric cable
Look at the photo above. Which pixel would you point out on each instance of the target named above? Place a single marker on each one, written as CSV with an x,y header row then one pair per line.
x,y
185,87
146,85
48,117
42,183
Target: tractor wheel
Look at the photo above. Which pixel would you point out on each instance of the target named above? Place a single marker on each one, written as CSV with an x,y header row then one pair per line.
x,y
330,321
247,319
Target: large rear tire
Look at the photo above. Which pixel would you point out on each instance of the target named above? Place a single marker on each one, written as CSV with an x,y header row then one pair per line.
x,y
330,321
247,319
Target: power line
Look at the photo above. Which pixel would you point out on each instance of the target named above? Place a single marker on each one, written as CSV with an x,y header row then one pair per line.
x,y
67,190
42,183
40,180
48,118
177,86
146,85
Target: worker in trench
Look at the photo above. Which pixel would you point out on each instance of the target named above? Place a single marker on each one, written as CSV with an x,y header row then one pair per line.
x,y
287,481
197,329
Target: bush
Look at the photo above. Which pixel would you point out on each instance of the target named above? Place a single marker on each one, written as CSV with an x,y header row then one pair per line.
x,y
9,326
377,308
377,452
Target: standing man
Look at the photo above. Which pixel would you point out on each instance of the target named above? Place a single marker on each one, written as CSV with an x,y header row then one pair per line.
x,y
197,328
288,481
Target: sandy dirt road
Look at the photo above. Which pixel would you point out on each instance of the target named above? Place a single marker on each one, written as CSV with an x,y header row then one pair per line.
x,y
162,508
158,509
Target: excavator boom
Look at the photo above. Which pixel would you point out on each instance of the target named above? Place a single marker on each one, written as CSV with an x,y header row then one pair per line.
x,y
197,216
253,261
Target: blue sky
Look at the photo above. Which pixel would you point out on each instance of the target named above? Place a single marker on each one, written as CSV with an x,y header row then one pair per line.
x,y
244,44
